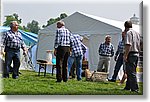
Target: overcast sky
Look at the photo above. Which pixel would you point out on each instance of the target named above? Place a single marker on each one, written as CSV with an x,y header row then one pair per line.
x,y
42,10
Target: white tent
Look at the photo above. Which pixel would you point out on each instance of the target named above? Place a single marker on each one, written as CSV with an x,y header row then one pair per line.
x,y
89,26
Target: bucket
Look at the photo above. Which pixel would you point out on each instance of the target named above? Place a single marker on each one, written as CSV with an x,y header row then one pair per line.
x,y
49,56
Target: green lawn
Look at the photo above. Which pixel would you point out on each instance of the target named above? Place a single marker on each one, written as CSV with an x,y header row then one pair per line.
x,y
29,83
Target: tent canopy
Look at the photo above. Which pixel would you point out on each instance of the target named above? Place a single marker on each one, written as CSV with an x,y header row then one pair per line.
x,y
83,24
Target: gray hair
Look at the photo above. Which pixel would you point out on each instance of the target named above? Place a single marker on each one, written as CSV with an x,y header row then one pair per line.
x,y
107,36
61,23
12,23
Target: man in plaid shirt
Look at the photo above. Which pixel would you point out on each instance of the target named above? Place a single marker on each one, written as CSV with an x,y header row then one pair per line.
x,y
12,42
62,51
78,50
106,51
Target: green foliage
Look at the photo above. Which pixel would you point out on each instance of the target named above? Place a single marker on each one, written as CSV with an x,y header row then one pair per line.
x,y
33,27
29,83
54,20
13,17
63,15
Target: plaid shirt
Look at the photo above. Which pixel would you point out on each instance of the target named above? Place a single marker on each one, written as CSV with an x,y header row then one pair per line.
x,y
78,48
13,40
120,47
62,37
106,50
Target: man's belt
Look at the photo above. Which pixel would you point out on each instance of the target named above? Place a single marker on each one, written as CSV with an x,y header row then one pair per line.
x,y
12,49
104,55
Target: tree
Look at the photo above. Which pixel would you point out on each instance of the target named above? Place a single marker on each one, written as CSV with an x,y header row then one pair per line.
x,y
33,27
13,17
63,15
54,20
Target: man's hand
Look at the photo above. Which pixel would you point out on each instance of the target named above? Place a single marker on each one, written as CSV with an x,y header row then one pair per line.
x,y
127,49
2,53
125,58
115,58
24,53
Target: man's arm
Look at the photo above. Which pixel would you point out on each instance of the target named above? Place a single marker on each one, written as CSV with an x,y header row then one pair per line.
x,y
127,49
24,48
3,42
117,52
100,47
57,39
112,51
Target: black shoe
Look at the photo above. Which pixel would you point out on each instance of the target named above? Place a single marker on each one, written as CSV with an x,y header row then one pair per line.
x,y
111,80
103,70
126,89
64,80
136,91
15,77
5,76
73,77
58,81
79,79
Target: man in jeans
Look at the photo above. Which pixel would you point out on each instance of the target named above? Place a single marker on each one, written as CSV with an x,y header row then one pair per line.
x,y
118,58
12,42
78,50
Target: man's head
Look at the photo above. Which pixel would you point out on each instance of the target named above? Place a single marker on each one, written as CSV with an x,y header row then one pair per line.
x,y
60,24
128,24
14,26
107,39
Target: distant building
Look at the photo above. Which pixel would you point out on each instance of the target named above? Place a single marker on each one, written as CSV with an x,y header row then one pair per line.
x,y
134,19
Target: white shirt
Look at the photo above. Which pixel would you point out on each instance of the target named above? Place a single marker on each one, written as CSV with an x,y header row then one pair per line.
x,y
133,39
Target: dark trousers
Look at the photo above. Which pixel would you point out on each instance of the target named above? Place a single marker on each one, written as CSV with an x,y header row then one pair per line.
x,y
119,63
61,63
131,65
12,55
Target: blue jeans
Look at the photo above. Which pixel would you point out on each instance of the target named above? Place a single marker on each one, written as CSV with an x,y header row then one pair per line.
x,y
78,65
10,56
70,63
118,65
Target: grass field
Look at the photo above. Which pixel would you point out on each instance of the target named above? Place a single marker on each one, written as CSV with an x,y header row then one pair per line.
x,y
29,83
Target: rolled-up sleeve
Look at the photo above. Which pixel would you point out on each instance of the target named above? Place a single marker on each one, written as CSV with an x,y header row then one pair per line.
x,y
23,46
128,40
56,39
3,40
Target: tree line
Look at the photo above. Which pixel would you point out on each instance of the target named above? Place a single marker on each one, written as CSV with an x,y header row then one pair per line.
x,y
32,26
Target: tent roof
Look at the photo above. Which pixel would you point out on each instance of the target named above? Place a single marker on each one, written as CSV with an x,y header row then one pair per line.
x,y
118,24
82,23
28,37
